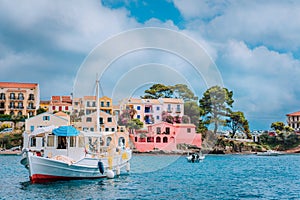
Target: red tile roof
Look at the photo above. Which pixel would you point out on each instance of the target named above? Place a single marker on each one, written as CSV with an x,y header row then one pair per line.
x,y
18,85
294,114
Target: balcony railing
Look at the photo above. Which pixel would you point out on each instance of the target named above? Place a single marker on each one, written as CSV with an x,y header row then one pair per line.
x,y
31,108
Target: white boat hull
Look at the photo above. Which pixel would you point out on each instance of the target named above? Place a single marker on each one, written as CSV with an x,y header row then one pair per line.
x,y
43,169
195,159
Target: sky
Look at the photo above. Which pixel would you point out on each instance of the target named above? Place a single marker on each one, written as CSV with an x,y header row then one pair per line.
x,y
253,45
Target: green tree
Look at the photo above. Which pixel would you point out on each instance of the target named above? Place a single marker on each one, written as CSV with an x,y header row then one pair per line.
x,y
237,122
216,104
183,92
157,91
277,126
192,110
40,110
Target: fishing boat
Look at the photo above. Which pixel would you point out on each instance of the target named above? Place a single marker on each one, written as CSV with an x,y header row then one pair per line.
x,y
195,157
65,153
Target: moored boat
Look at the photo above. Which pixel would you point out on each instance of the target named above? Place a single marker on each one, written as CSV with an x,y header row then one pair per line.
x,y
269,153
195,157
67,154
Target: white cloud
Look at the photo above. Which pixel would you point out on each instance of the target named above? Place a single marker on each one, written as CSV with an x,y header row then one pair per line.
x,y
263,80
270,23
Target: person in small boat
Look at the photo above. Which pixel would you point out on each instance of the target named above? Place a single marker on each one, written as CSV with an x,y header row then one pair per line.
x,y
193,157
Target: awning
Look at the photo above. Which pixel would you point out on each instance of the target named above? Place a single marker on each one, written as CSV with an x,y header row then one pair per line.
x,y
66,131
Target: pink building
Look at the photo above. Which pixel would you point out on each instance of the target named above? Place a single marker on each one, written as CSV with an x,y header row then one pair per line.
x,y
165,136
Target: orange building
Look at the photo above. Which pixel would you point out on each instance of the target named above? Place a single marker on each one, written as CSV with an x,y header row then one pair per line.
x,y
19,98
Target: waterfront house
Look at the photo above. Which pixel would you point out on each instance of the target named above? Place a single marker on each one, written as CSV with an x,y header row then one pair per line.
x,y
19,98
166,137
149,111
46,119
293,120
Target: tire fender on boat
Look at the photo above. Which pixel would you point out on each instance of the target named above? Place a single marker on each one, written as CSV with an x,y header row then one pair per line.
x,y
101,167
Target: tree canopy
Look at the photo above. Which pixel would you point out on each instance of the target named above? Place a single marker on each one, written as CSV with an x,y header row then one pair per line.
x,y
183,92
237,122
157,91
216,104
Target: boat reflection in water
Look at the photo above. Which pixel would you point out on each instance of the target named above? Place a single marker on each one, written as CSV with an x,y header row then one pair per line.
x,y
64,153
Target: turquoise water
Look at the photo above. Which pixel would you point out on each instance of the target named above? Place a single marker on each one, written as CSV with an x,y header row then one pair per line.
x,y
169,177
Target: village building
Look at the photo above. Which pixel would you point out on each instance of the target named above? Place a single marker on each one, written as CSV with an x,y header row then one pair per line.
x,y
18,99
60,103
150,111
293,120
166,137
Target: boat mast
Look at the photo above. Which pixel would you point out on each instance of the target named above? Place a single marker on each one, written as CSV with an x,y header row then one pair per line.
x,y
98,105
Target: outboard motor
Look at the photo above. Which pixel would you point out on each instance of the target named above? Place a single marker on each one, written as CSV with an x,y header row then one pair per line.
x,y
101,167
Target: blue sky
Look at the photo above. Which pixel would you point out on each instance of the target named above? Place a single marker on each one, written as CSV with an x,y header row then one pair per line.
x,y
254,44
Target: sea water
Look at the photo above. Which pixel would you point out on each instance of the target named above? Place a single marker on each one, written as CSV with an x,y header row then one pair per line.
x,y
168,177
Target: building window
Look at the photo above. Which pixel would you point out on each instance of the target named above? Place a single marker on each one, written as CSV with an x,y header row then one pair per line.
x,y
165,140
138,107
108,104
157,108
31,128
157,117
158,140
106,129
102,104
169,108
53,107
101,120
94,104
12,95
92,129
11,104
20,113
178,108
108,140
20,96
188,130
20,105
76,103
46,118
88,119
158,130
109,119
31,97
2,96
66,108
87,104
138,116
167,130
113,129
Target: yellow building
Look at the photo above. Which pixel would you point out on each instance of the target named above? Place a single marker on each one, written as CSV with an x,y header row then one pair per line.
x,y
88,105
19,98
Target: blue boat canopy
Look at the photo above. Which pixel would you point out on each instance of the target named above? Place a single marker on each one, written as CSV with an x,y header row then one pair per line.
x,y
66,131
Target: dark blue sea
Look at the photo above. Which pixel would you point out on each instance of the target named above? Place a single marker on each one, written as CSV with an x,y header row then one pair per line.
x,y
168,177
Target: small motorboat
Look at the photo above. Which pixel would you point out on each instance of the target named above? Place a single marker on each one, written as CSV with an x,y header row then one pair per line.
x,y
195,157
268,153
